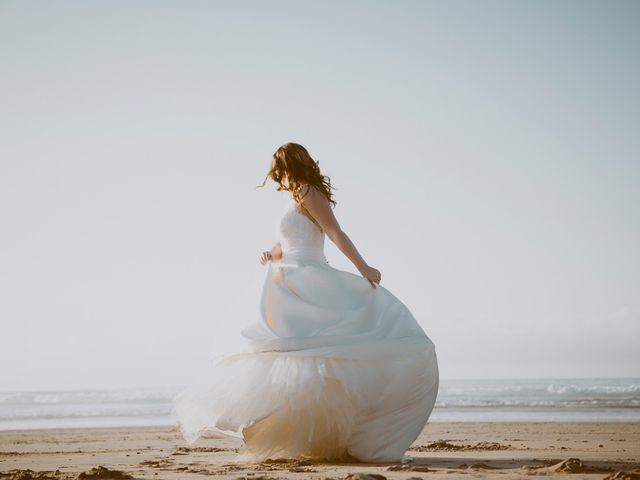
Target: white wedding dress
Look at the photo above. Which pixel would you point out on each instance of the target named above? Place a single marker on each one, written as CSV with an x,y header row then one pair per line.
x,y
334,367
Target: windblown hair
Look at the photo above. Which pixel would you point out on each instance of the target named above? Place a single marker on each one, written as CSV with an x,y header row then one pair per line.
x,y
293,162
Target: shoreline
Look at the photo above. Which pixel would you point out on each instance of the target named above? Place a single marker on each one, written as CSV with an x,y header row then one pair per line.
x,y
163,424
439,415
483,449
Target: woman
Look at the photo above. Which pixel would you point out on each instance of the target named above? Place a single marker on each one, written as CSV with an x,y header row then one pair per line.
x,y
337,367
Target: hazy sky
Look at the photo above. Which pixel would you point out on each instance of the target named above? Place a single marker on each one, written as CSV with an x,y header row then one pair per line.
x,y
486,159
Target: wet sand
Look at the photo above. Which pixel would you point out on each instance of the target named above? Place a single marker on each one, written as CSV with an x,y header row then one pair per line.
x,y
443,450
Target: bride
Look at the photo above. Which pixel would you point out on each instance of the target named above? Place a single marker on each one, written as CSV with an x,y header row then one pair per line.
x,y
336,367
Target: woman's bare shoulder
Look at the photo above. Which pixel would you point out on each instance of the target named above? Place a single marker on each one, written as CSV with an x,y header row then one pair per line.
x,y
309,190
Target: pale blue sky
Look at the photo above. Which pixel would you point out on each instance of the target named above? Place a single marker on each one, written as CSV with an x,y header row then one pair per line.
x,y
486,157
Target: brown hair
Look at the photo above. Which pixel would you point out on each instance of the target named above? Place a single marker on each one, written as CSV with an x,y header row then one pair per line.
x,y
294,162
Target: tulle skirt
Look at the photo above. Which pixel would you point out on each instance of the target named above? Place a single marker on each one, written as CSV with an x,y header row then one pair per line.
x,y
335,369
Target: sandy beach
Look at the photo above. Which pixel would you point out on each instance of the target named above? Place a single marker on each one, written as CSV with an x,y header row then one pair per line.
x,y
452,450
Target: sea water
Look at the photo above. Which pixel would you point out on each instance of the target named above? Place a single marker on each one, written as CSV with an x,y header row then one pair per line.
x,y
597,400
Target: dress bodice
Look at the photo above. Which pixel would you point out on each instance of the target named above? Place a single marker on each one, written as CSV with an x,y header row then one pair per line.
x,y
300,238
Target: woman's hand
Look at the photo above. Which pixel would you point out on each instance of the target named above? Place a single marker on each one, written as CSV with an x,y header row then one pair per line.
x,y
266,257
273,255
373,275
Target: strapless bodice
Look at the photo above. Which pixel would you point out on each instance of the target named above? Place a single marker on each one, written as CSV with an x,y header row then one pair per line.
x,y
300,238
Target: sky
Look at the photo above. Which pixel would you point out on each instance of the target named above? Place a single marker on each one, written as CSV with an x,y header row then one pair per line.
x,y
485,158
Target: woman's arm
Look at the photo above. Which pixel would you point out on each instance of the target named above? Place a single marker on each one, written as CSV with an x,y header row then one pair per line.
x,y
318,206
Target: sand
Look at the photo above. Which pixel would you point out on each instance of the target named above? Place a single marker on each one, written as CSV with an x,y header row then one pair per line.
x,y
443,450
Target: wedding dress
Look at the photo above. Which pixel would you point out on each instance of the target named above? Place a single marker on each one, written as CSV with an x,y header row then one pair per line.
x,y
334,367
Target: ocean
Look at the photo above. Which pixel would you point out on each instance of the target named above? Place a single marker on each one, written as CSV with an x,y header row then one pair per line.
x,y
557,400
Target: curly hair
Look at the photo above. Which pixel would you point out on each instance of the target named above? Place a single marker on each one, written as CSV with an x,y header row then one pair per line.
x,y
293,163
